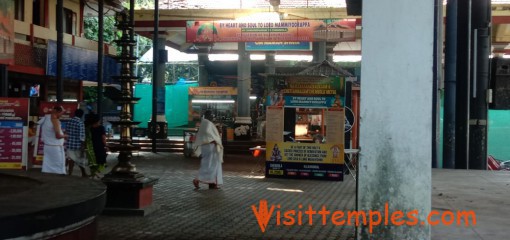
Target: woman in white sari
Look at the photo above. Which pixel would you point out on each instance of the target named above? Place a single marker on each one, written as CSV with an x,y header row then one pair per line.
x,y
208,146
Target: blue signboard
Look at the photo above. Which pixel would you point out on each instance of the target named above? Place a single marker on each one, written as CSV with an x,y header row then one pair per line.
x,y
278,46
81,64
310,101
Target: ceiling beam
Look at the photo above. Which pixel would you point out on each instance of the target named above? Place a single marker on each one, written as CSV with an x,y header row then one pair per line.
x,y
232,14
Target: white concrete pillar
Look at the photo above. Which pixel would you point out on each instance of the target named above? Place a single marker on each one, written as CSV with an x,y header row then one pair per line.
x,y
396,115
243,82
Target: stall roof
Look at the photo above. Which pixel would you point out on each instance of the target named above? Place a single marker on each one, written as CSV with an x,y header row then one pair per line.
x,y
325,68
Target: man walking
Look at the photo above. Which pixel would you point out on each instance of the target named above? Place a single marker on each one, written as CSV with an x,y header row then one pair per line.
x,y
53,139
75,143
208,145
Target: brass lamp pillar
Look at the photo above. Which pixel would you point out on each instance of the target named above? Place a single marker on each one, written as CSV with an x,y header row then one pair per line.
x,y
128,191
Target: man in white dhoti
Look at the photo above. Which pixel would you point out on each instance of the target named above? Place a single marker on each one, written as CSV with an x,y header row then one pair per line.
x,y
208,146
53,139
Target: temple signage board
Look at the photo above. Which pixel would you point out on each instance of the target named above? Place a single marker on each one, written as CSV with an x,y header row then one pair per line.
x,y
332,30
13,118
315,149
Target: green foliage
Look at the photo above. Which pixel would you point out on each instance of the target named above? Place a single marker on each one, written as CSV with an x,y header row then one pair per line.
x,y
144,45
140,4
187,71
91,29
7,7
173,72
144,71
90,94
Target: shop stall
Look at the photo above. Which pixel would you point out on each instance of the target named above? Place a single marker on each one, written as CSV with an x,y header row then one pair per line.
x,y
305,124
220,100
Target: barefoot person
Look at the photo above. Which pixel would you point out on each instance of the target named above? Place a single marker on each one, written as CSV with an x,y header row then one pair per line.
x,y
53,138
95,144
208,146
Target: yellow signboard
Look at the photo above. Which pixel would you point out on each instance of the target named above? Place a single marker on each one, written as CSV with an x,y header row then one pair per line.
x,y
212,91
305,152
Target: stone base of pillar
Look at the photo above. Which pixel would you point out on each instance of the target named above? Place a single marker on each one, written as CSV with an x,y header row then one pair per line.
x,y
129,197
242,128
161,130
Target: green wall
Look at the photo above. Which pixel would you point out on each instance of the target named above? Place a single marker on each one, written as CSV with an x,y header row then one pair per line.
x,y
498,135
176,104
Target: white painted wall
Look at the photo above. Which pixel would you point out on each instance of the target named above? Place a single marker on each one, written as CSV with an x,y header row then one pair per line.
x,y
396,112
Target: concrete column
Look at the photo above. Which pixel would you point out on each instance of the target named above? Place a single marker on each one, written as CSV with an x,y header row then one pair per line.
x,y
319,51
270,62
396,116
203,58
159,89
243,82
160,78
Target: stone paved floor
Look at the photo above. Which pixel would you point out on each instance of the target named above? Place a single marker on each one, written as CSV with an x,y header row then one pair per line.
x,y
185,213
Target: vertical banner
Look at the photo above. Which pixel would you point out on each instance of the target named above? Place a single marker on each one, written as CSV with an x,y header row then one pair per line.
x,y
13,116
335,122
274,124
45,108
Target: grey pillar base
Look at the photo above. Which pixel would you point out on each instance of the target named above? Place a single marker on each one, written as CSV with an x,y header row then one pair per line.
x,y
161,130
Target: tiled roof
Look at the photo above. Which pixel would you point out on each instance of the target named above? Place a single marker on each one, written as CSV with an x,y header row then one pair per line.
x,y
246,4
